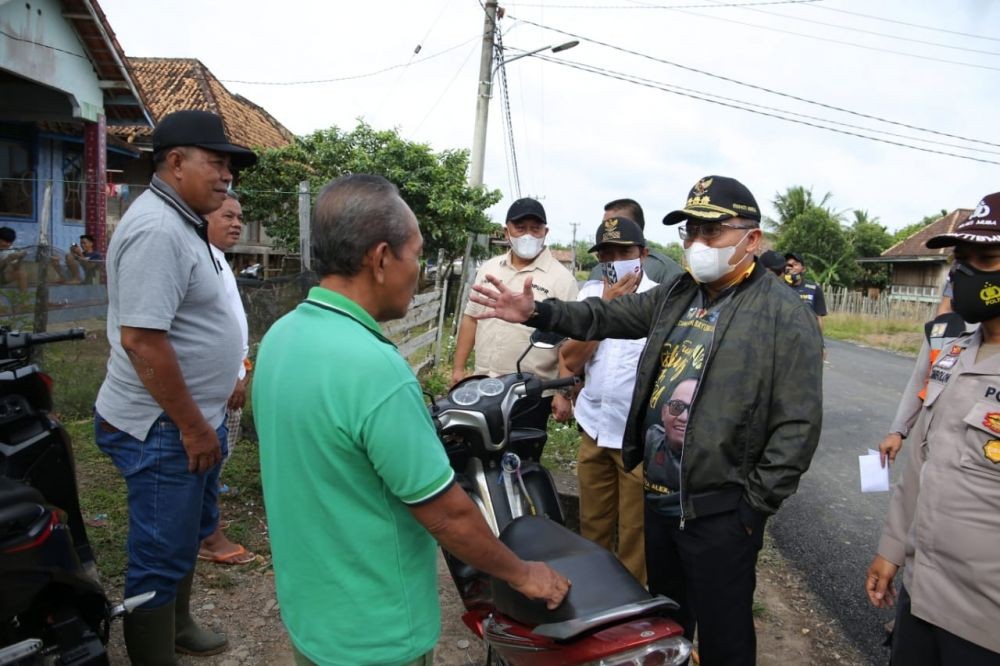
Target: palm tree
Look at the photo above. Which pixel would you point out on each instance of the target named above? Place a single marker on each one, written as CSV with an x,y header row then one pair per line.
x,y
795,201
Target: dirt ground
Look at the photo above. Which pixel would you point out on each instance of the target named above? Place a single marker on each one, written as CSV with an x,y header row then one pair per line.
x,y
792,627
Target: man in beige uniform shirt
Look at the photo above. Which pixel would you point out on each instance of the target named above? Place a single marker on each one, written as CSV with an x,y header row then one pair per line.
x,y
499,344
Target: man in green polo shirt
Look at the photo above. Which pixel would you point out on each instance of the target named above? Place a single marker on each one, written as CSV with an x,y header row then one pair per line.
x,y
356,484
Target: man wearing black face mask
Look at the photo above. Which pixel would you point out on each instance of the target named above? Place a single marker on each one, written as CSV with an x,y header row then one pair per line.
x,y
944,515
753,351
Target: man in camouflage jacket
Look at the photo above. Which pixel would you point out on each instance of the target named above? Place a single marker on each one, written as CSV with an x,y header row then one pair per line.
x,y
751,426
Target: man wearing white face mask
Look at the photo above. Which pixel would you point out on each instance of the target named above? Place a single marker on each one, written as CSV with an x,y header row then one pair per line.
x,y
610,498
498,344
753,418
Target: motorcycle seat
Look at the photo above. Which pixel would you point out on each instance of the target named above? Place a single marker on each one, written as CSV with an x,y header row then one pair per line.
x,y
599,580
15,492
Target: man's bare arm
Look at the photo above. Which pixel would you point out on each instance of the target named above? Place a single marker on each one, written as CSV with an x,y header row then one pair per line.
x,y
463,347
455,522
156,364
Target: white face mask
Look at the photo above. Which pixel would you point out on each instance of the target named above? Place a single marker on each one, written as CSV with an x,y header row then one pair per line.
x,y
708,264
527,246
616,270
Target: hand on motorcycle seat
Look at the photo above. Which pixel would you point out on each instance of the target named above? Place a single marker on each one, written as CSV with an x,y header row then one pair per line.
x,y
544,583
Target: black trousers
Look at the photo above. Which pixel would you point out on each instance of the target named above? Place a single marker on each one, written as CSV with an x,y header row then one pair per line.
x,y
709,568
919,643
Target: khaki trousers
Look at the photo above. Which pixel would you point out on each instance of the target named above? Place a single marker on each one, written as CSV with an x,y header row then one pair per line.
x,y
611,501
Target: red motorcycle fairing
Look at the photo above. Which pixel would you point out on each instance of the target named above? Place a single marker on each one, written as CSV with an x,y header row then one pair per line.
x,y
517,644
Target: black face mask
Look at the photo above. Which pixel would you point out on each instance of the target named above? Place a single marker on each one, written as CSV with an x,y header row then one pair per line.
x,y
976,294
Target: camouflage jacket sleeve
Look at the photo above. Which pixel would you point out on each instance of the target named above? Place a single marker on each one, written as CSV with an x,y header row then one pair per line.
x,y
627,317
795,411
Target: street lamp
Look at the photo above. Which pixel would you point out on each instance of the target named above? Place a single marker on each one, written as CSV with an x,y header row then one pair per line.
x,y
486,75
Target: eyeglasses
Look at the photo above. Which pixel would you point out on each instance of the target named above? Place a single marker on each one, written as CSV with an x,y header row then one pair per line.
x,y
707,230
677,407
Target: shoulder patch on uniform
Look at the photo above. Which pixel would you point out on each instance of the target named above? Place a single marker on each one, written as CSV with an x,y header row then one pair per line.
x,y
992,421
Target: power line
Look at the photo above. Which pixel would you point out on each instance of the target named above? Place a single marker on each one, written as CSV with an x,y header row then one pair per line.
x,y
706,98
910,25
507,119
753,86
869,32
353,76
43,45
647,6
841,42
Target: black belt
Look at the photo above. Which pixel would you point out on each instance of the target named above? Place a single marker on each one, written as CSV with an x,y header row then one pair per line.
x,y
704,504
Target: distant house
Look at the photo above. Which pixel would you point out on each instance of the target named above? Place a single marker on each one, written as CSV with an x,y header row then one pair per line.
x,y
917,273
173,84
63,81
564,257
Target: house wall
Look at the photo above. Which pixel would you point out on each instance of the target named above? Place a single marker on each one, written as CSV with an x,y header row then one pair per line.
x,y
917,281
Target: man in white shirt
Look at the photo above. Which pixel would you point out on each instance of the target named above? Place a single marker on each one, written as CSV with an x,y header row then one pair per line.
x,y
224,228
611,499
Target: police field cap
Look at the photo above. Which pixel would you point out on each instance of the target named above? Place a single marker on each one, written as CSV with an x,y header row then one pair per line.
x,y
526,207
715,199
618,231
796,256
981,227
200,129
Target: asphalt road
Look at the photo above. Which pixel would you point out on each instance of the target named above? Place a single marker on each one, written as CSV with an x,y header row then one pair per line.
x,y
829,529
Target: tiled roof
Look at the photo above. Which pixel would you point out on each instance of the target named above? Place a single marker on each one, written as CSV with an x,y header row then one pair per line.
x,y
913,245
173,84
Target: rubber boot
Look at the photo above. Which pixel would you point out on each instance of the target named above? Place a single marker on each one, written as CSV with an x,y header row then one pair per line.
x,y
149,636
190,638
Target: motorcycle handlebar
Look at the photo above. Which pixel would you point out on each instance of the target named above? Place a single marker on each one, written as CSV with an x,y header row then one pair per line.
x,y
13,344
559,383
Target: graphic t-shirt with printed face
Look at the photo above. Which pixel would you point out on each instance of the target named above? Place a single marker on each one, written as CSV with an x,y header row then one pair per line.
x,y
682,363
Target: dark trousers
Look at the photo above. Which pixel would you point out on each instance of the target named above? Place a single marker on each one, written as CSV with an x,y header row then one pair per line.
x,y
919,643
709,568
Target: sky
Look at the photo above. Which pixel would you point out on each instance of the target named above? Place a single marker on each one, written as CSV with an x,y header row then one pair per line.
x,y
582,139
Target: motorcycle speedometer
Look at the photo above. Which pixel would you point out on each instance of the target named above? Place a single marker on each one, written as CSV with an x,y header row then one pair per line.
x,y
490,387
466,394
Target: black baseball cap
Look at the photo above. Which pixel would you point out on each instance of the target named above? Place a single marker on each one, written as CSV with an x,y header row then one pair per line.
x,y
714,199
526,207
202,130
796,256
981,227
618,231
772,261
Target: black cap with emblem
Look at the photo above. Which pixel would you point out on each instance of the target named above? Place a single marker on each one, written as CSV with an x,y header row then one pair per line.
x,y
618,231
981,227
714,199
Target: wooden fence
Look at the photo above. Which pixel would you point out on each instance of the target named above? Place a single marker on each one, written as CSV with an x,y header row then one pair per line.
x,y
422,326
840,299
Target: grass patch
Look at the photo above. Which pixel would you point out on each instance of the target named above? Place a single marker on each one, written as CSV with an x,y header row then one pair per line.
x,y
562,446
898,335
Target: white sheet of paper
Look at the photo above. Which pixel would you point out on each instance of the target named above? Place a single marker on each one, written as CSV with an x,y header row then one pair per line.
x,y
874,477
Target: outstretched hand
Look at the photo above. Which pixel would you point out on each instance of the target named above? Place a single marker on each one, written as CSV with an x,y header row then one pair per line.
x,y
512,306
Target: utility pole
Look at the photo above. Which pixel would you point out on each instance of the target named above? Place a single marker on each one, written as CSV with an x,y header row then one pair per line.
x,y
478,156
574,225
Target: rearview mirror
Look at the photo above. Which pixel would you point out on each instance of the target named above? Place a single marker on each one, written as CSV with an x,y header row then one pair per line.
x,y
546,339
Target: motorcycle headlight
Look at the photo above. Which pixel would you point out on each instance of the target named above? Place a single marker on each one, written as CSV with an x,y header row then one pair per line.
x,y
666,652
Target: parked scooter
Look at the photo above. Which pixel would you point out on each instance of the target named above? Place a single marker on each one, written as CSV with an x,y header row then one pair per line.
x,y
52,609
608,618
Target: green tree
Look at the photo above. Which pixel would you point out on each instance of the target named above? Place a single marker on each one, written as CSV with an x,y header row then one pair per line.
x,y
868,238
817,235
910,229
795,201
673,250
432,183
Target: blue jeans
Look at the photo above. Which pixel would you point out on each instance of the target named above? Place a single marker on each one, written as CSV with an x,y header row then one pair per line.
x,y
170,510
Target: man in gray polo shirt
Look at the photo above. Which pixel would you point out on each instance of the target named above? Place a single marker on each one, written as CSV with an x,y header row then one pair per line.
x,y
174,362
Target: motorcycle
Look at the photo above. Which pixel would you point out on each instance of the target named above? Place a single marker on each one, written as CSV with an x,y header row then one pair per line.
x,y
608,618
52,609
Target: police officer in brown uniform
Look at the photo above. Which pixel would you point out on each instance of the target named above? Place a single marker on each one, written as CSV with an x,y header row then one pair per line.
x,y
944,517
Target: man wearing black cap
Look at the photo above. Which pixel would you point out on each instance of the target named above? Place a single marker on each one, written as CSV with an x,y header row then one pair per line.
x,y
808,291
657,266
773,262
752,351
497,343
174,361
610,498
944,515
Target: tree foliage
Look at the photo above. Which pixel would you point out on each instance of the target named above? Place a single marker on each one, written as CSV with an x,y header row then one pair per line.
x,y
432,183
868,238
910,229
818,237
